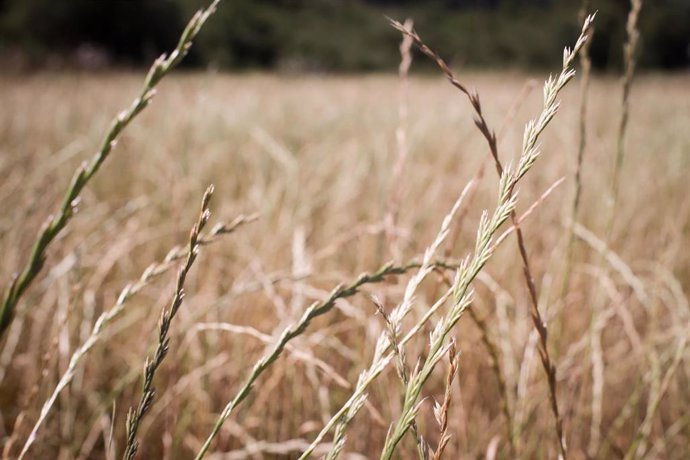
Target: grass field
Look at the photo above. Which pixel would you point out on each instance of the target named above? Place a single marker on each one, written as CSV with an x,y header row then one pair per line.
x,y
315,158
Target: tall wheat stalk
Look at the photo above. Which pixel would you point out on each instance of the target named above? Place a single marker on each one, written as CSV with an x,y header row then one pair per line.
x,y
135,415
55,223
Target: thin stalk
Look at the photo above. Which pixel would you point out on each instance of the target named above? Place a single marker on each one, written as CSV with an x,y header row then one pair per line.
x,y
586,66
441,410
135,416
395,195
595,338
404,376
630,63
629,49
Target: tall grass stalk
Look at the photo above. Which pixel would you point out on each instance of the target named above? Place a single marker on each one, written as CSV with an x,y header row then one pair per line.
x,y
461,298
629,59
135,416
487,228
402,150
630,62
492,141
391,340
55,223
595,332
130,290
586,68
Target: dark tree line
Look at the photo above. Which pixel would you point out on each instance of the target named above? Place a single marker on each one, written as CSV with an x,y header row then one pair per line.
x,y
339,35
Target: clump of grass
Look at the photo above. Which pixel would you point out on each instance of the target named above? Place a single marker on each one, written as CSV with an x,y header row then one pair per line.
x,y
460,292
294,330
130,290
390,343
491,139
383,355
471,267
57,222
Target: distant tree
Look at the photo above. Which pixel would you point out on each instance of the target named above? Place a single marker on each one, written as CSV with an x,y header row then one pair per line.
x,y
345,35
130,30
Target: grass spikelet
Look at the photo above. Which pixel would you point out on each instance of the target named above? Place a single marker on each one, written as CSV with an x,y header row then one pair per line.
x,y
441,410
135,415
403,374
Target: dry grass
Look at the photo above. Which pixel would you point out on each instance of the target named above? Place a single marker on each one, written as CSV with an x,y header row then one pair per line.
x,y
316,158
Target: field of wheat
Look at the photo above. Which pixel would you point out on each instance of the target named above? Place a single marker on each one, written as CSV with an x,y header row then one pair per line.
x,y
346,294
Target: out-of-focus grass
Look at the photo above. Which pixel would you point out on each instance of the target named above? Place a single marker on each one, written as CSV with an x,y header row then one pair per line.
x,y
314,157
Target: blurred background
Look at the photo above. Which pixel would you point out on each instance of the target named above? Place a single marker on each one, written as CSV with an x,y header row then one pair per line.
x,y
330,35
